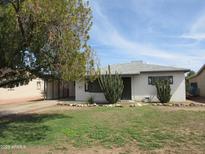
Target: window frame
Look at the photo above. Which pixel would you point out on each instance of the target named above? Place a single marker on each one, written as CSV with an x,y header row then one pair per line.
x,y
151,82
89,87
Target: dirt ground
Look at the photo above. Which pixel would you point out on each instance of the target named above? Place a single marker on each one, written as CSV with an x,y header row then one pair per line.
x,y
20,100
25,107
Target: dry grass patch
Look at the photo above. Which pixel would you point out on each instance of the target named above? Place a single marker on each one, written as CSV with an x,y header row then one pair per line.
x,y
143,129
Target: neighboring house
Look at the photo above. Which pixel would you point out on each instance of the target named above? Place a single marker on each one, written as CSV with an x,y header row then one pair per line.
x,y
38,89
32,91
197,82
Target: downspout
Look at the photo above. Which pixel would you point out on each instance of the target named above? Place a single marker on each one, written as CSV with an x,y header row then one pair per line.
x,y
63,89
44,93
52,89
58,89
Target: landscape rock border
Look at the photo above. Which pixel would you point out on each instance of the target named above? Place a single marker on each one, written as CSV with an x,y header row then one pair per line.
x,y
179,104
101,105
133,105
77,104
89,105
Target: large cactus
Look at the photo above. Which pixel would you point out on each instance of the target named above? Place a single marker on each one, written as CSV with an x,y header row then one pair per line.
x,y
163,91
112,86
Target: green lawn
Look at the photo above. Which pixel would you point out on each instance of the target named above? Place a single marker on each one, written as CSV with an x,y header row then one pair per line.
x,y
147,128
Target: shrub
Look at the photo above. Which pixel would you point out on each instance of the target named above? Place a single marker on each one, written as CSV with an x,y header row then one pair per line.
x,y
112,86
90,100
163,91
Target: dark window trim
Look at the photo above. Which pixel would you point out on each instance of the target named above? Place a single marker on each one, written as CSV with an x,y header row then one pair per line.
x,y
150,79
88,88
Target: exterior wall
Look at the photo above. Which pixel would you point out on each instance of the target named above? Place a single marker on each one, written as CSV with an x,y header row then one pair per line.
x,y
82,95
29,91
72,89
49,90
200,80
141,88
56,89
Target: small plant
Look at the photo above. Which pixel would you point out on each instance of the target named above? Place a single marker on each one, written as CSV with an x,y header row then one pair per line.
x,y
163,91
90,100
112,86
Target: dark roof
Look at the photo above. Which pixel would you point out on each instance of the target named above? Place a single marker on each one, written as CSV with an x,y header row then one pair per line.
x,y
137,67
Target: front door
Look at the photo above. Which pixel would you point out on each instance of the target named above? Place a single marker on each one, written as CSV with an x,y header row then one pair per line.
x,y
126,94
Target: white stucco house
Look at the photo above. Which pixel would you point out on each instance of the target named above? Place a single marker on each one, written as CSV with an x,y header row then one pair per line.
x,y
138,79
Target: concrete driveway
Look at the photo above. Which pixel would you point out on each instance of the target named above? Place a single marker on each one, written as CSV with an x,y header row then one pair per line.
x,y
198,99
26,107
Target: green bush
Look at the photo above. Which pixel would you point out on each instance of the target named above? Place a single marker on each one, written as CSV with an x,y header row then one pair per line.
x,y
90,100
112,86
163,91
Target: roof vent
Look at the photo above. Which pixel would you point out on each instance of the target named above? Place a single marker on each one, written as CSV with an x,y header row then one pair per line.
x,y
137,61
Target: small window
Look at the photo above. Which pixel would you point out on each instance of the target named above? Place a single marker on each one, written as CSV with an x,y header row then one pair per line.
x,y
194,85
153,79
93,86
38,85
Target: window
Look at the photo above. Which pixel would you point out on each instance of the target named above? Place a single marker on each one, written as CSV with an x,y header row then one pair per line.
x,y
93,86
194,85
153,79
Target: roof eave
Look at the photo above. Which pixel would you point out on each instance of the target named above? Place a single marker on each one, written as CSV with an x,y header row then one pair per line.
x,y
160,71
124,74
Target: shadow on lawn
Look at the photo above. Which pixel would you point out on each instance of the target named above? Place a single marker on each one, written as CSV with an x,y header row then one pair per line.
x,y
26,128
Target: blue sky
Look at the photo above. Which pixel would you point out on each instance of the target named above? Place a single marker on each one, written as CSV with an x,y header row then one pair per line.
x,y
166,32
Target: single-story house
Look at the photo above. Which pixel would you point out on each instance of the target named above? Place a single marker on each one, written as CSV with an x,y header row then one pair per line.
x,y
138,79
197,82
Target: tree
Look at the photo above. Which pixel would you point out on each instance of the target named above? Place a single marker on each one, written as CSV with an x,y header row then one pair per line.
x,y
112,86
190,74
163,91
44,38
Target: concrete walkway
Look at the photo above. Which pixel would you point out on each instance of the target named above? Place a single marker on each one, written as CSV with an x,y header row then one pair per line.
x,y
198,99
28,107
